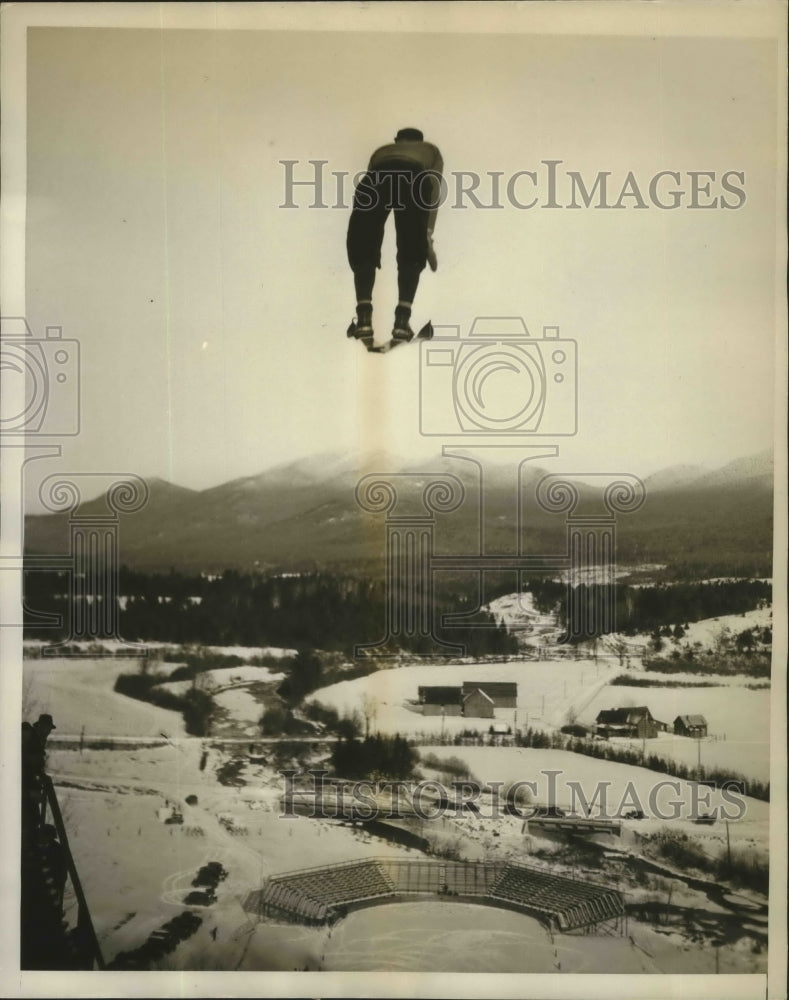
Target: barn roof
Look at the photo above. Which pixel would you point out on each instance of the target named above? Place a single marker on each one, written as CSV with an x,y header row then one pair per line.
x,y
623,716
494,689
440,695
478,690
691,720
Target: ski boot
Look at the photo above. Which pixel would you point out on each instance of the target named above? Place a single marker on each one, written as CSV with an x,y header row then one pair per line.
x,y
361,328
402,332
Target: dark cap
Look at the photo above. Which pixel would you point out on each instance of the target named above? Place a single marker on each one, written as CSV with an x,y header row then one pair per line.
x,y
46,719
411,134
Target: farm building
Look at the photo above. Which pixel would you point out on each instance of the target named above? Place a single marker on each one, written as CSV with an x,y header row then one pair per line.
x,y
690,725
440,700
633,722
503,694
478,705
476,699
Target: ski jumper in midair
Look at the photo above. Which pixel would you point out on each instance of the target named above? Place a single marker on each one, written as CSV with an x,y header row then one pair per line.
x,y
403,177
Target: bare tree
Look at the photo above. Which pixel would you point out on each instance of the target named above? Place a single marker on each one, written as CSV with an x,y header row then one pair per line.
x,y
369,712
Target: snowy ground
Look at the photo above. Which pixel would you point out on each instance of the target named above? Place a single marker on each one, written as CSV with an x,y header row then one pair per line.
x,y
137,871
78,694
518,613
409,937
114,645
547,692
578,777
738,723
243,708
223,676
707,630
247,652
535,628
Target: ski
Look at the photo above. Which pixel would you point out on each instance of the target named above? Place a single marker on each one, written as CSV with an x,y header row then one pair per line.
x,y
426,333
367,339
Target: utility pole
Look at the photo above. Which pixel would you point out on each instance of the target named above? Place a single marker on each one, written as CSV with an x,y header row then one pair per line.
x,y
728,847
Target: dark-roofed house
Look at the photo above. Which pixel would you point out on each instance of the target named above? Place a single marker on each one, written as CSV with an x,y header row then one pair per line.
x,y
633,722
503,694
440,700
690,725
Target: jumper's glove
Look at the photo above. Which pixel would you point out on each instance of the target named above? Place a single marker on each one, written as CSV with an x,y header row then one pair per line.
x,y
431,253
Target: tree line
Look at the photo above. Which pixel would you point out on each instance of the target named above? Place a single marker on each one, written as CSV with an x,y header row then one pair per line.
x,y
197,707
337,612
322,610
644,609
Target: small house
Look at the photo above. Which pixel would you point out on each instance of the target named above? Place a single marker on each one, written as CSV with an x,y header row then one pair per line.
x,y
694,726
636,723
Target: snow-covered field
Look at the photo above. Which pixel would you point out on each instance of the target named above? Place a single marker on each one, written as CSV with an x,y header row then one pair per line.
x,y
546,692
78,693
242,708
411,936
738,723
576,775
221,678
115,645
517,612
247,652
136,870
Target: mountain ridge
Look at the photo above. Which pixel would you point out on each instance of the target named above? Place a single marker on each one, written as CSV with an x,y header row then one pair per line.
x,y
305,515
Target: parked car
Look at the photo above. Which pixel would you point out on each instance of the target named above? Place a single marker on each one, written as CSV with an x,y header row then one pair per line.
x,y
633,814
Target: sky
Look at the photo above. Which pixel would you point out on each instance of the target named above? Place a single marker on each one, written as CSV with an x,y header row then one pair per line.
x,y
211,320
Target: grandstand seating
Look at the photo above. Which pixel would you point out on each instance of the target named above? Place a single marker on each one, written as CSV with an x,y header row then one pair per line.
x,y
571,903
312,895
